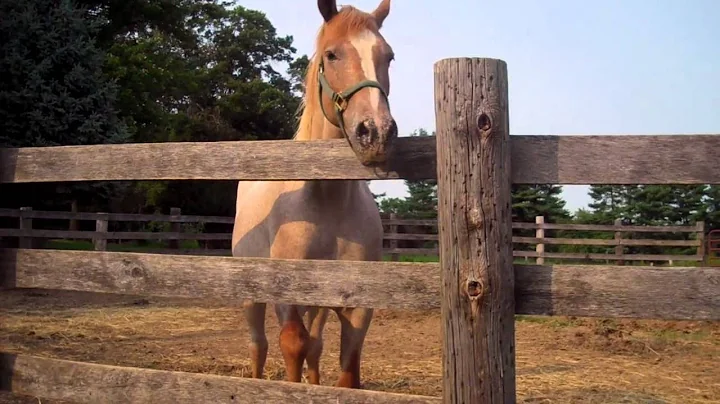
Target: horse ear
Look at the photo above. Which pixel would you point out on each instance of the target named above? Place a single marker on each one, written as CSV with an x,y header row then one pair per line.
x,y
328,9
381,12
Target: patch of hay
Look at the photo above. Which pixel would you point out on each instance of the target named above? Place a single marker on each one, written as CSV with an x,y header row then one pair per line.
x,y
559,359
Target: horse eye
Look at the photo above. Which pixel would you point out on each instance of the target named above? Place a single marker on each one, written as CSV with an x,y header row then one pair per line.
x,y
330,55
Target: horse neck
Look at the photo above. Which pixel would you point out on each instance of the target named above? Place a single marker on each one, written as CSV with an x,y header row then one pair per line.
x,y
314,126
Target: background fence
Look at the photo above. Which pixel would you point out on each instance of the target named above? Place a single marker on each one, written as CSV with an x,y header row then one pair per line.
x,y
404,239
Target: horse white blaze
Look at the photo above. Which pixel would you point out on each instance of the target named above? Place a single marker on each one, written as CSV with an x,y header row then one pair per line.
x,y
364,44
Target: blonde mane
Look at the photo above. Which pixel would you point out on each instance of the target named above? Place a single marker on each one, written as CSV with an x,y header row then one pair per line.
x,y
348,21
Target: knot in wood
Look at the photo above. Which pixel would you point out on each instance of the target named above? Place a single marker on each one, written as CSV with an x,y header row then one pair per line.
x,y
474,289
137,272
474,219
484,122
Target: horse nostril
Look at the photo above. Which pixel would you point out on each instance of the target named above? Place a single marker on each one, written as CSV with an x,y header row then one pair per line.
x,y
393,130
366,132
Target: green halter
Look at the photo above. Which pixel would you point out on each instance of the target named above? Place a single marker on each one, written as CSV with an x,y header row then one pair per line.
x,y
340,100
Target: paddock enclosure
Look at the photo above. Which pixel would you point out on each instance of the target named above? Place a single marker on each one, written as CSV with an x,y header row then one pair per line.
x,y
476,286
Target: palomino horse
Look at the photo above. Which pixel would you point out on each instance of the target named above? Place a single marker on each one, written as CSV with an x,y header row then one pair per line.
x,y
346,96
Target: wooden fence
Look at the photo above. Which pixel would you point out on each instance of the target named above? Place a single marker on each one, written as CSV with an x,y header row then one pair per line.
x,y
394,234
474,160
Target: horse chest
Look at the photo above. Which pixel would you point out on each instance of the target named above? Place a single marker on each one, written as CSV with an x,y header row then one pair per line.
x,y
307,240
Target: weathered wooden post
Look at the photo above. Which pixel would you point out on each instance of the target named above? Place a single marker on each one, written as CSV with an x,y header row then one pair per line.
x,y
393,242
26,223
540,234
175,228
700,226
475,230
101,228
619,250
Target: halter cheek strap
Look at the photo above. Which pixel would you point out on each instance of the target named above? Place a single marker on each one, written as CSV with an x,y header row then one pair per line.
x,y
340,100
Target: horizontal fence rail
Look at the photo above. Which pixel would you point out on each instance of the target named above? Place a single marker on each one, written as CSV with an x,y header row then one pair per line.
x,y
114,217
679,293
619,159
91,383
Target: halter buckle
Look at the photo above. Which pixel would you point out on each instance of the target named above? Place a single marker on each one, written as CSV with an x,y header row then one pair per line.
x,y
340,102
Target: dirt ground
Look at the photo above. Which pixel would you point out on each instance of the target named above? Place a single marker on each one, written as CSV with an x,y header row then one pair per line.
x,y
559,359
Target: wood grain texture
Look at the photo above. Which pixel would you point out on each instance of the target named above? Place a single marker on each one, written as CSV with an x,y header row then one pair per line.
x,y
477,304
676,293
412,251
115,235
400,285
90,383
681,293
118,217
606,242
626,159
411,222
234,160
594,256
410,236
606,227
616,159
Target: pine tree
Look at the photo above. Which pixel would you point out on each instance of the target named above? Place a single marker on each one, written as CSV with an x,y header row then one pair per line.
x,y
53,92
421,202
529,201
609,202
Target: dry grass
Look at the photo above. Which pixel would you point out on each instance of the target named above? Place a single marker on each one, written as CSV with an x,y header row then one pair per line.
x,y
559,360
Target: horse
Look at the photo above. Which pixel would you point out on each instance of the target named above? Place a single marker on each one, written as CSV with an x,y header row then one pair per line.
x,y
324,219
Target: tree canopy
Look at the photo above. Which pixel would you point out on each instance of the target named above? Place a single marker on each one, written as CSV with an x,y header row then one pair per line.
x,y
109,71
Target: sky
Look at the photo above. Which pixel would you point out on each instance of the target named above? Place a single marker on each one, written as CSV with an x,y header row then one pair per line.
x,y
574,67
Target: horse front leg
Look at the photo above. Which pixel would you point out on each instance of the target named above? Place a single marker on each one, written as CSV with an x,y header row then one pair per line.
x,y
354,324
255,318
317,316
294,340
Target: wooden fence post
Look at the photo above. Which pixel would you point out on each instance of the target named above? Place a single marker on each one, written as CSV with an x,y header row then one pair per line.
x,y
101,226
701,251
475,230
394,243
540,247
175,228
619,250
26,223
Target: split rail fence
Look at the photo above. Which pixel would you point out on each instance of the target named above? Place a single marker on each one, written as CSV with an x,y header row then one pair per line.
x,y
421,232
475,285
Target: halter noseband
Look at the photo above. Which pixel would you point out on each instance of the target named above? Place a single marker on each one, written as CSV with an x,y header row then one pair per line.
x,y
340,100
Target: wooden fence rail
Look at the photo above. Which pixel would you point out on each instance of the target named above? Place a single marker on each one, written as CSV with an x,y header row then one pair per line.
x,y
476,285
101,233
606,159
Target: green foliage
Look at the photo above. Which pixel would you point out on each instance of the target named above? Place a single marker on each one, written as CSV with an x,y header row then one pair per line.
x,y
53,90
529,201
143,71
649,205
220,84
421,202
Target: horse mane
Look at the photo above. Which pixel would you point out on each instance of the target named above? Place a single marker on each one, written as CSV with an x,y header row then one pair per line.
x,y
349,20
